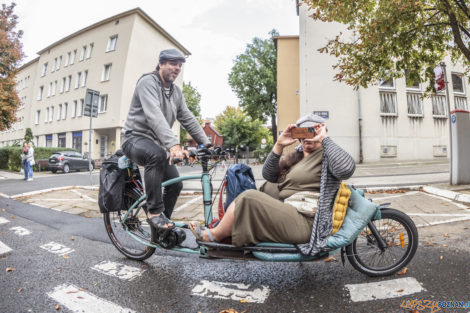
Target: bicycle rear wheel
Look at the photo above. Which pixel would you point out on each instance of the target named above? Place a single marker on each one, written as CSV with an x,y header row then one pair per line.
x,y
136,224
398,231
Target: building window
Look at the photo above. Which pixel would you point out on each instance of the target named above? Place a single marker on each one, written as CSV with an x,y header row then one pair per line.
x,y
61,140
62,86
51,116
438,106
49,140
44,69
46,115
77,141
415,104
106,72
112,43
74,108
388,103
457,83
67,59
59,112
54,66
103,105
88,52
77,82
59,62
85,76
54,87
82,53
387,84
72,58
68,83
411,83
460,103
64,111
41,90
80,108
38,116
49,90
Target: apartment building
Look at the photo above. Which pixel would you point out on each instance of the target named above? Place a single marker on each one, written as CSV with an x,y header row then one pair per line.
x,y
108,56
389,121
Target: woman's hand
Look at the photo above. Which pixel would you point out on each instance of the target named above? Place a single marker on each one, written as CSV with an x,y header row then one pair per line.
x,y
285,139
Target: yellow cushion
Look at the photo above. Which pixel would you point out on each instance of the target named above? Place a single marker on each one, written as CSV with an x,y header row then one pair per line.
x,y
340,207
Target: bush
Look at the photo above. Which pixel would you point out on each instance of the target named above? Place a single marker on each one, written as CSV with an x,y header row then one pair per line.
x,y
10,157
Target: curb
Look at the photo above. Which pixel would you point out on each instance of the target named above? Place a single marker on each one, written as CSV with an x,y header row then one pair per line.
x,y
449,194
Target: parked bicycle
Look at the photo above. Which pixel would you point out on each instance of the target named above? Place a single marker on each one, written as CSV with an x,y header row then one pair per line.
x,y
383,247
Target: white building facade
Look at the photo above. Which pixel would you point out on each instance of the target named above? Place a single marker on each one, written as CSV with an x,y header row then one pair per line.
x,y
109,57
396,123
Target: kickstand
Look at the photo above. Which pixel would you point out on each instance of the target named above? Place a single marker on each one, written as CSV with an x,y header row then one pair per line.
x,y
342,256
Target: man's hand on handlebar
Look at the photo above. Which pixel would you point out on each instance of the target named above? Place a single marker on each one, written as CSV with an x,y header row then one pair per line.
x,y
176,153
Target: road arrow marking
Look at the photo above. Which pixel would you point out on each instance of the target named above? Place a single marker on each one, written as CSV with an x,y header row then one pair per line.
x,y
384,289
118,270
4,250
78,300
20,231
237,292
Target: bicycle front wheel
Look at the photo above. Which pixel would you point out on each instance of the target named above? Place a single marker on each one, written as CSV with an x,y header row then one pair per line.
x,y
130,237
398,231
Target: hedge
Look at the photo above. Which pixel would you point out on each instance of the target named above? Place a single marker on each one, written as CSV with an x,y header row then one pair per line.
x,y
10,157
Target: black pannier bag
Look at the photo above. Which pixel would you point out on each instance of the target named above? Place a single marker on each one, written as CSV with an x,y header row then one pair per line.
x,y
112,183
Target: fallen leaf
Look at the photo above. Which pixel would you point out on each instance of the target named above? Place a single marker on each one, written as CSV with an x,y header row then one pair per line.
x,y
95,284
80,297
12,217
57,307
403,271
86,216
73,291
465,228
10,269
72,238
414,311
3,210
429,243
228,311
441,257
244,300
82,289
400,290
20,290
446,235
330,259
444,245
65,256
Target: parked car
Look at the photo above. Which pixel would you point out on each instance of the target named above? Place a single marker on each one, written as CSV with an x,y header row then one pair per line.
x,y
69,160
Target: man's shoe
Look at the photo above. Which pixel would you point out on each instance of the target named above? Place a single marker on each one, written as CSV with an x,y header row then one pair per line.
x,y
29,179
161,223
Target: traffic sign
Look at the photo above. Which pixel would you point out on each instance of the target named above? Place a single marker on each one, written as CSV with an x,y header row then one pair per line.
x,y
91,103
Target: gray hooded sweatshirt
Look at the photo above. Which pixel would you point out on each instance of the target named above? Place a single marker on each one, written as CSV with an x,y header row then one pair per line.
x,y
152,113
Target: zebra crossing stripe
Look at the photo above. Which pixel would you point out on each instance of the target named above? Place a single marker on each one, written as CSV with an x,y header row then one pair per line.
x,y
20,231
4,250
3,220
57,248
231,291
78,300
118,270
384,289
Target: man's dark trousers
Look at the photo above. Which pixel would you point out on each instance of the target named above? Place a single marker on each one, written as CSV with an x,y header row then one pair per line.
x,y
153,157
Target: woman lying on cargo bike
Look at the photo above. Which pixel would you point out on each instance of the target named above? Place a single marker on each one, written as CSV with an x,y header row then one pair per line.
x,y
296,203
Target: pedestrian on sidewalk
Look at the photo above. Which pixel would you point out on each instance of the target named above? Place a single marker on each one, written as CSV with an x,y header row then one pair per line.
x,y
24,160
30,161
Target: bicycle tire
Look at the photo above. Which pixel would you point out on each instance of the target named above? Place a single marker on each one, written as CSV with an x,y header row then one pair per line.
x,y
125,244
359,255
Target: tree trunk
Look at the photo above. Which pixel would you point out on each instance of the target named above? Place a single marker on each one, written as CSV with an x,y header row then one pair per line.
x,y
274,127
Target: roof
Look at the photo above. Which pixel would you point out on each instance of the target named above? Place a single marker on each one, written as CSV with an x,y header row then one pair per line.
x,y
29,63
275,38
138,11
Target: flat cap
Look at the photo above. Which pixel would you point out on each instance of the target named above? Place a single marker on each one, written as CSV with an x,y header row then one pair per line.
x,y
309,120
171,54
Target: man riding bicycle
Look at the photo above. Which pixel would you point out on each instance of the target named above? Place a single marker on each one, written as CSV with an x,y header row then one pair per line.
x,y
148,139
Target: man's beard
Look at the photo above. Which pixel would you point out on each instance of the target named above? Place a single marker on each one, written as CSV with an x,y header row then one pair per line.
x,y
168,77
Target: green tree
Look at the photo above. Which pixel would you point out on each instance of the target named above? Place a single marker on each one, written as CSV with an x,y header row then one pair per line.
x,y
28,136
254,80
385,38
193,98
10,55
239,129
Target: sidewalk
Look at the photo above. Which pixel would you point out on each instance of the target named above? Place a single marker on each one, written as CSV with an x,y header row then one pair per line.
x,y
429,176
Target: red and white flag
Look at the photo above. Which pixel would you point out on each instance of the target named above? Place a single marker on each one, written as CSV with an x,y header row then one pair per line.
x,y
439,79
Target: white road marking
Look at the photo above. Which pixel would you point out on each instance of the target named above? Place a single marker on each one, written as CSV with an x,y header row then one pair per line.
x,y
396,196
84,196
446,195
436,214
187,204
4,250
20,231
57,248
77,300
118,270
231,291
384,289
459,219
3,220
